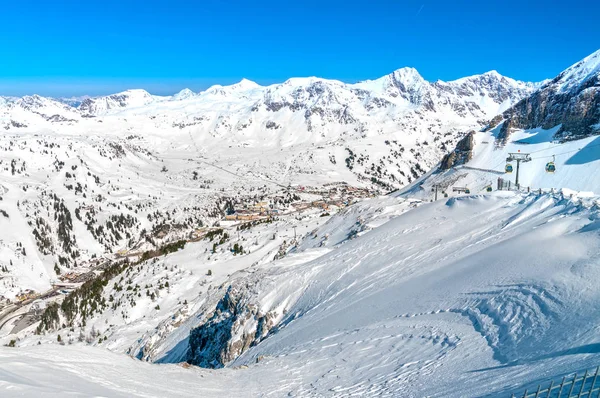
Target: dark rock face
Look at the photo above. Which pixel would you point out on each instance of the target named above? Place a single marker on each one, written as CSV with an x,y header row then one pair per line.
x,y
235,326
571,100
461,155
87,106
577,112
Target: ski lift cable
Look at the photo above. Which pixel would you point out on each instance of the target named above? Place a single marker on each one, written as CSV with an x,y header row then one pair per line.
x,y
549,156
566,152
235,174
558,145
244,177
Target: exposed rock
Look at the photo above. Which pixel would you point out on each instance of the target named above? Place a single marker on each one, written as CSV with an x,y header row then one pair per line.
x,y
234,326
571,100
461,155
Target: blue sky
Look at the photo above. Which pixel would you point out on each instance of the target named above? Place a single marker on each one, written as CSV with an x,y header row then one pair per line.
x,y
67,47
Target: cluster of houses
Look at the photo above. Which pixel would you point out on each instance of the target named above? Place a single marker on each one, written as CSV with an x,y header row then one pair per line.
x,y
73,277
336,195
253,212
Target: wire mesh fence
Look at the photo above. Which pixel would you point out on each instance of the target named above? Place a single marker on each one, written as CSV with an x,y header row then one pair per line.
x,y
579,386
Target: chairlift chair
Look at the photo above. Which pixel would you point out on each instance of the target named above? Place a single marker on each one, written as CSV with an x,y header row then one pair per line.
x,y
508,169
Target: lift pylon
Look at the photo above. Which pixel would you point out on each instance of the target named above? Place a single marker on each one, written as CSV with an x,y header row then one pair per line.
x,y
518,157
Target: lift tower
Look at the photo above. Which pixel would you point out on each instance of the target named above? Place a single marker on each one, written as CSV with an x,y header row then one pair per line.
x,y
518,157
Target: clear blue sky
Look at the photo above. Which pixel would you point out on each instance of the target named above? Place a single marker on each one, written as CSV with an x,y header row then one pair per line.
x,y
68,47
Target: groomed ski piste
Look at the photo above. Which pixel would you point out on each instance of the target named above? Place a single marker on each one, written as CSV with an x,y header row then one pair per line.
x,y
472,295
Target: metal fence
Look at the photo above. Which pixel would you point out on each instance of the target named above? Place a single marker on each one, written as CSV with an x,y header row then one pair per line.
x,y
586,386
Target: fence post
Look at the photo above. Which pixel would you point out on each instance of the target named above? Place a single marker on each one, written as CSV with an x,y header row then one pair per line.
x,y
572,386
525,395
537,393
550,389
582,384
562,384
593,382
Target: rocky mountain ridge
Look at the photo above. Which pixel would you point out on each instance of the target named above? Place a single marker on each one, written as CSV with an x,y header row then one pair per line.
x,y
571,100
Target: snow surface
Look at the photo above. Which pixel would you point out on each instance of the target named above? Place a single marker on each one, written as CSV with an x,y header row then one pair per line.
x,y
579,73
576,164
470,296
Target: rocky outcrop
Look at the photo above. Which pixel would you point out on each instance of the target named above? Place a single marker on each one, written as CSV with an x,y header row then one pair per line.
x,y
571,100
130,98
235,325
461,154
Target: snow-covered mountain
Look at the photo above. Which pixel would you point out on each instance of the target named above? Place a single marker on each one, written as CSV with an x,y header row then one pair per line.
x,y
184,94
390,296
385,132
571,100
64,167
119,101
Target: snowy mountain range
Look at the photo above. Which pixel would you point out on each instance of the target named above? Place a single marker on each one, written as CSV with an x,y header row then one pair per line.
x,y
202,147
130,219
324,121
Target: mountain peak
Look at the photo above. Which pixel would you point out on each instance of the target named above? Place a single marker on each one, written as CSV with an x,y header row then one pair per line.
x,y
402,78
407,72
137,92
489,75
186,93
245,84
493,73
242,85
579,73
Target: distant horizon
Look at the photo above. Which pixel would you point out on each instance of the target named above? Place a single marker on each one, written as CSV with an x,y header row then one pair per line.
x,y
160,88
74,49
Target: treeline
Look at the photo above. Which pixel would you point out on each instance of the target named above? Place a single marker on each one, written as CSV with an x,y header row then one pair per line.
x,y
85,301
88,299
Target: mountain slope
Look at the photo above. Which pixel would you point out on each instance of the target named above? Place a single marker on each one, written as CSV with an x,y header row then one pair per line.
x,y
571,101
467,296
471,296
126,99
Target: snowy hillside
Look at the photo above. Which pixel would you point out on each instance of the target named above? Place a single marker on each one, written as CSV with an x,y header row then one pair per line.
x,y
244,229
469,296
130,171
576,165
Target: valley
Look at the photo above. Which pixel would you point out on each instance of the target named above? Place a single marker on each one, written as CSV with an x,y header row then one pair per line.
x,y
308,238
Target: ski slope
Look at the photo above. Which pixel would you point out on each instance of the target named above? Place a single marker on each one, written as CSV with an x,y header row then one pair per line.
x,y
470,296
576,163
